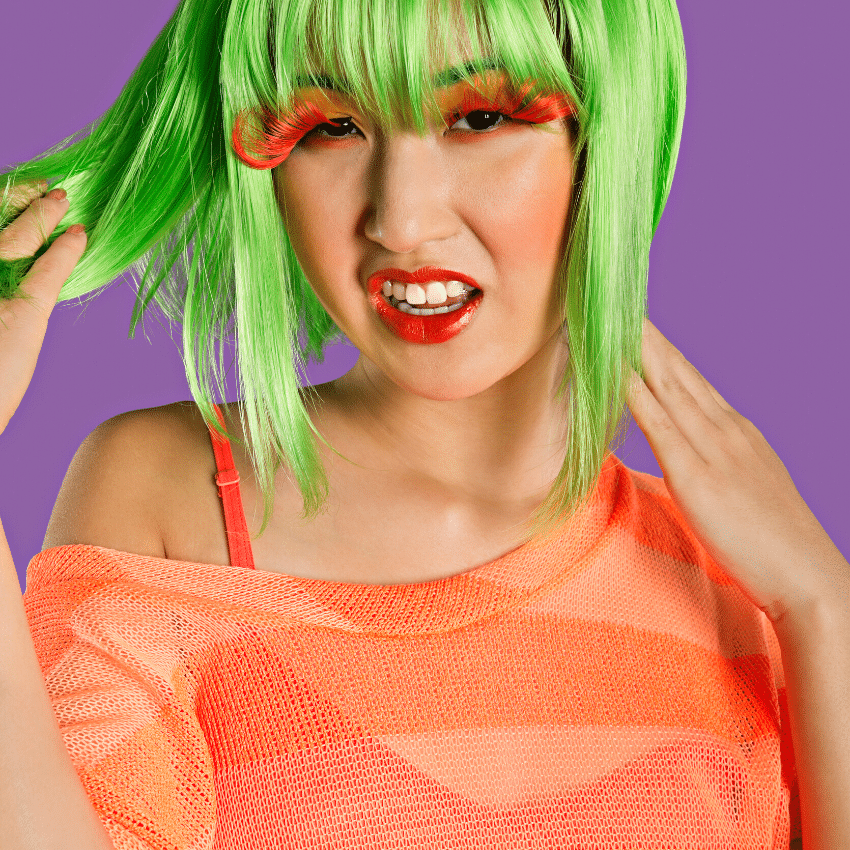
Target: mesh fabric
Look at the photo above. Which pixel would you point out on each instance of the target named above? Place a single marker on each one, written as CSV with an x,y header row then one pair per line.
x,y
607,688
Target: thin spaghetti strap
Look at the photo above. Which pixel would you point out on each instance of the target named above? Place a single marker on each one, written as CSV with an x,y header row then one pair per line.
x,y
227,479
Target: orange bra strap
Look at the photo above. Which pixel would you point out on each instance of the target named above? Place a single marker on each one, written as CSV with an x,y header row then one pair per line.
x,y
227,479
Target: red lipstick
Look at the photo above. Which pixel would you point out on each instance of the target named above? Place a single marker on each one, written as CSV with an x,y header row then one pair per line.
x,y
422,329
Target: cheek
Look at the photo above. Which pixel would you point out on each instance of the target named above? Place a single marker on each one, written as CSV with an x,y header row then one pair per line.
x,y
313,219
528,208
295,210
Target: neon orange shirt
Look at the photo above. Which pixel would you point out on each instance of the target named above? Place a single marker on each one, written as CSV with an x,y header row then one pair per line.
x,y
611,688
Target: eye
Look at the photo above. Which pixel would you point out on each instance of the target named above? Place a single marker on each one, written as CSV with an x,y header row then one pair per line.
x,y
489,118
339,128
477,120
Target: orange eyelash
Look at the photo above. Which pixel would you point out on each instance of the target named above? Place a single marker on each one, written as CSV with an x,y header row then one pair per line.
x,y
540,110
278,136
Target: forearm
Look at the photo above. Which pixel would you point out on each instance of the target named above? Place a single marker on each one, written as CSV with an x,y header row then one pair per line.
x,y
816,660
43,804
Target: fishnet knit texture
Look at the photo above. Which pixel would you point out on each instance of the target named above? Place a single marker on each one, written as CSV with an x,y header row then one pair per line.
x,y
609,687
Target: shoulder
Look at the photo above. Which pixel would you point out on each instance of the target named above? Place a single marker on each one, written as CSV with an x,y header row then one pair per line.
x,y
125,476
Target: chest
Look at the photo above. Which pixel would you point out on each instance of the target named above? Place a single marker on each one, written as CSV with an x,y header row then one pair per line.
x,y
506,735
376,528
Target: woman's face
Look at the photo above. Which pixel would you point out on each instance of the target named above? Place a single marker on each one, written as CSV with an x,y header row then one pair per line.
x,y
487,197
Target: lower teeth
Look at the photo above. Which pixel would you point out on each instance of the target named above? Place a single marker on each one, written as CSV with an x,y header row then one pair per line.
x,y
415,311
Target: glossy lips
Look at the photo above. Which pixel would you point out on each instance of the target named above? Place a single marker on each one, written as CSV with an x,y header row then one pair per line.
x,y
422,329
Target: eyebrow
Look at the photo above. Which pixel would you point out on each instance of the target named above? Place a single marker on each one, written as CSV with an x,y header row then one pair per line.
x,y
445,78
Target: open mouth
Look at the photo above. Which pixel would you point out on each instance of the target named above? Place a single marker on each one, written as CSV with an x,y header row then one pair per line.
x,y
454,296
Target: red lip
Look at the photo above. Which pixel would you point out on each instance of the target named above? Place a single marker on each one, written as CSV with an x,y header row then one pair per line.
x,y
440,327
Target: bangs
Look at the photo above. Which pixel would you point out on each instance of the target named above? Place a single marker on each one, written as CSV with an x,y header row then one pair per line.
x,y
390,58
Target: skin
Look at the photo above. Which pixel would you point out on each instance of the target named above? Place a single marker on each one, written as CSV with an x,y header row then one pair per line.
x,y
472,421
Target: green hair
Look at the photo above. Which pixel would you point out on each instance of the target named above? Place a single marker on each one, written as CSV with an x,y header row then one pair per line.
x,y
162,192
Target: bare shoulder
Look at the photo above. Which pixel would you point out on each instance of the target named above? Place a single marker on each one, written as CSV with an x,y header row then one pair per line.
x,y
125,477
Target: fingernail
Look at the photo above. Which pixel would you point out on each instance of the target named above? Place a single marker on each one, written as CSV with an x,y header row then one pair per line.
x,y
58,195
76,229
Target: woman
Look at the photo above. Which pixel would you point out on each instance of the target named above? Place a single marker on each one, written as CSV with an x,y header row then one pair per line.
x,y
469,491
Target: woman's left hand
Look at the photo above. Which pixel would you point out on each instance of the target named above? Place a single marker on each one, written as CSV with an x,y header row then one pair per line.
x,y
731,487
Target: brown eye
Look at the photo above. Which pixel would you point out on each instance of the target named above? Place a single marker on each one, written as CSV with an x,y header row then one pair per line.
x,y
482,120
339,124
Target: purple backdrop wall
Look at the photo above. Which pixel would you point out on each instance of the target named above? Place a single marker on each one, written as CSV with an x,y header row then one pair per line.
x,y
748,277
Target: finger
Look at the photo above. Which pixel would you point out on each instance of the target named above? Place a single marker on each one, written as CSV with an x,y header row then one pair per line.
x,y
23,320
723,415
50,271
714,429
21,194
669,445
30,230
669,372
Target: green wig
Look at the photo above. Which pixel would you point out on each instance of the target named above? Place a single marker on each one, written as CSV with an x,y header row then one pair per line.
x,y
166,189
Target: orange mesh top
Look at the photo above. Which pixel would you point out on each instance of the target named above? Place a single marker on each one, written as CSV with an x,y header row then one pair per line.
x,y
606,688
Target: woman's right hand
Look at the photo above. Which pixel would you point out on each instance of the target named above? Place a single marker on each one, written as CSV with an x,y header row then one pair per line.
x,y
23,321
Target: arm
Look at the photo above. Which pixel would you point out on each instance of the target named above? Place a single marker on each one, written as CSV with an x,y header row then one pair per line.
x,y
815,648
741,504
43,803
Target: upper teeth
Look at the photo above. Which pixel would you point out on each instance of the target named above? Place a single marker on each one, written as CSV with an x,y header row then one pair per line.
x,y
432,293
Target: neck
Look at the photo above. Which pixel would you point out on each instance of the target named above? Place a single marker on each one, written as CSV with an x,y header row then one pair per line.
x,y
502,447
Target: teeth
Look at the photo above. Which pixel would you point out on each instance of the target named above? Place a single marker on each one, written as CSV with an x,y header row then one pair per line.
x,y
435,292
406,308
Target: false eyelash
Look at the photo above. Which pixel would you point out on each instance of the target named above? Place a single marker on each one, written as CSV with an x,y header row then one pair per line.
x,y
277,137
540,110
280,135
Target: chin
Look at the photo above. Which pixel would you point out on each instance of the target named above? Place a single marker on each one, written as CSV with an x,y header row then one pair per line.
x,y
447,387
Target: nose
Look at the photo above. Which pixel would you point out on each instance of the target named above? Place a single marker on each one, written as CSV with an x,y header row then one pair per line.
x,y
410,194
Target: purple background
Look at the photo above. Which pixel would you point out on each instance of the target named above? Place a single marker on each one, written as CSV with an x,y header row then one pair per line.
x,y
746,278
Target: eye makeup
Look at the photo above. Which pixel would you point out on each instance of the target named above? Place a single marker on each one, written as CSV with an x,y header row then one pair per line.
x,y
540,109
279,135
